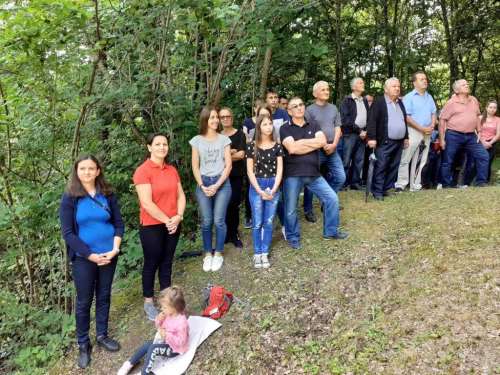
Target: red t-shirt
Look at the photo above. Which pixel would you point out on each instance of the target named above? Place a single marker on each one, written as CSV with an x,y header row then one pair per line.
x,y
164,184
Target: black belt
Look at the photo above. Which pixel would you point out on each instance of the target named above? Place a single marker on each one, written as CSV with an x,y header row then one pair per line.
x,y
455,131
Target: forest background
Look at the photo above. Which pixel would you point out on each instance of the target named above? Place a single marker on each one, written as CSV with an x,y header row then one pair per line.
x,y
98,77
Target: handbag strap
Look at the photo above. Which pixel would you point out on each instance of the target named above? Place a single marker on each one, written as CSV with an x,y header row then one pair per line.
x,y
101,205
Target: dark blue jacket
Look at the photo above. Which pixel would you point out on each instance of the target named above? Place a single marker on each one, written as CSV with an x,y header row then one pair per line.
x,y
69,227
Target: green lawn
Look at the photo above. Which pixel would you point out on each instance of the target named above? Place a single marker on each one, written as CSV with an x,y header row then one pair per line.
x,y
413,290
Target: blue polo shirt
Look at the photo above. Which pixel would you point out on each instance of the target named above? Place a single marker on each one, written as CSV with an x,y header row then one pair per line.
x,y
94,224
420,108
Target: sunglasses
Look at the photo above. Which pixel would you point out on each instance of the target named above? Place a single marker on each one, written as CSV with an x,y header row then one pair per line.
x,y
225,118
300,105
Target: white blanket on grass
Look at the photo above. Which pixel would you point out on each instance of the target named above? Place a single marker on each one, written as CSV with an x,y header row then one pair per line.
x,y
199,329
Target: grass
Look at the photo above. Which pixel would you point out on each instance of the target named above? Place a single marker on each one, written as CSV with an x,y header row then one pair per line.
x,y
413,290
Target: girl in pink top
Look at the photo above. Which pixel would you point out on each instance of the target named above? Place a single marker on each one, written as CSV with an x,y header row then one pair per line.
x,y
490,127
174,331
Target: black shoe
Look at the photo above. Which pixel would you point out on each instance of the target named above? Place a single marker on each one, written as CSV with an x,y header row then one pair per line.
x,y
379,198
310,217
357,187
482,185
84,356
398,190
450,187
343,188
338,236
341,208
237,242
108,344
387,194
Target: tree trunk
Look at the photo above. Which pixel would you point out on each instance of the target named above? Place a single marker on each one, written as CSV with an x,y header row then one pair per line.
x,y
265,72
339,65
449,45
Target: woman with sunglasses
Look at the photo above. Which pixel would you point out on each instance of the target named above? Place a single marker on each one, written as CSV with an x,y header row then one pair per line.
x,y
238,172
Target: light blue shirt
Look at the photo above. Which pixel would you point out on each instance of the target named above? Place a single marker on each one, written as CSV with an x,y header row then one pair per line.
x,y
396,128
420,108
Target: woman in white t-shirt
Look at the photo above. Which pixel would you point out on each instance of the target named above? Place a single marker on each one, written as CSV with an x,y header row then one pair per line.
x,y
211,163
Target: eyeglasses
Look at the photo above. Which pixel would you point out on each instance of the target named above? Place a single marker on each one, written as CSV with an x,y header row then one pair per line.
x,y
225,118
300,105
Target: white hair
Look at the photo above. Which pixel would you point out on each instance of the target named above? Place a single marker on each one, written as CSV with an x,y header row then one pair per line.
x,y
387,82
315,87
456,84
353,81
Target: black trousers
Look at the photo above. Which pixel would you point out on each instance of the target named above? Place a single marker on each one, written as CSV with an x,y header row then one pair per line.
x,y
89,278
158,247
387,165
233,208
248,207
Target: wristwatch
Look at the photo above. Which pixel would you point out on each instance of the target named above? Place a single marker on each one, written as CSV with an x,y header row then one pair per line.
x,y
181,216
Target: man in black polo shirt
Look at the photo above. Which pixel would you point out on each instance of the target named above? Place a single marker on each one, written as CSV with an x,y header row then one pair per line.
x,y
301,140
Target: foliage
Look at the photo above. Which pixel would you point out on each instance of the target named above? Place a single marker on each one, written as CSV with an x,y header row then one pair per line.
x,y
98,77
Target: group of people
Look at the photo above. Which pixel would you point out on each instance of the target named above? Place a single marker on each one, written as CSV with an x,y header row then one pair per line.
x,y
284,149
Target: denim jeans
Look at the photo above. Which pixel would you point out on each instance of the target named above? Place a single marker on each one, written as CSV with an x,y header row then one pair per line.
x,y
471,170
387,166
151,351
213,211
263,215
456,140
335,176
90,278
323,191
353,153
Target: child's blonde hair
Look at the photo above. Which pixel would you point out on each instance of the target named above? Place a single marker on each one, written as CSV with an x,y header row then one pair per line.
x,y
175,297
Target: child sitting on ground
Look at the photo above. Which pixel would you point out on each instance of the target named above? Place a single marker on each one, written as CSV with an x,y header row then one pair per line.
x,y
174,330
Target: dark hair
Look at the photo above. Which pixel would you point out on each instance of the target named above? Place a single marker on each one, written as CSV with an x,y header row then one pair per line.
x,y
150,140
257,136
414,76
283,97
204,117
271,90
485,114
75,188
266,107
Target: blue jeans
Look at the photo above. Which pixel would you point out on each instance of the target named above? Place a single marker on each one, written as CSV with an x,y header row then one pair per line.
x,y
320,188
90,278
263,215
354,151
454,141
152,351
335,176
213,210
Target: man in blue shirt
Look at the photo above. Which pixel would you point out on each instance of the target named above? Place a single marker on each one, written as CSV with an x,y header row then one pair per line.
x,y
421,118
279,116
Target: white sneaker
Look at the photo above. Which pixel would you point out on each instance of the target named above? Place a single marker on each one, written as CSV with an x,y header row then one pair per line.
x,y
125,369
265,261
439,187
207,263
217,263
257,261
464,187
283,231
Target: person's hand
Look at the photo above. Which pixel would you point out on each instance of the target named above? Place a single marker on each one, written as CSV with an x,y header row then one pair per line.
x,y
406,144
106,257
173,223
96,258
479,137
208,190
372,144
362,135
486,144
163,333
428,131
161,317
442,144
233,151
263,195
329,148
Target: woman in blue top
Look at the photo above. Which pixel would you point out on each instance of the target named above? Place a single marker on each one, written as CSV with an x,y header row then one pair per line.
x,y
92,227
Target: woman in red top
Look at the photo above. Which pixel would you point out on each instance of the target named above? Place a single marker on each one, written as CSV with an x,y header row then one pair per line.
x,y
162,203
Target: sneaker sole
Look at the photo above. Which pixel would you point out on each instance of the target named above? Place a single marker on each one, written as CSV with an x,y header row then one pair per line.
x,y
332,239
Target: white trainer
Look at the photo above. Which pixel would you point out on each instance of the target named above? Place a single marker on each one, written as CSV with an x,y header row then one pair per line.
x,y
265,261
207,263
125,369
283,231
217,263
257,261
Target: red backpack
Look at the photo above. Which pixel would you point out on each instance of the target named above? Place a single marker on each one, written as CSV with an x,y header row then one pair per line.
x,y
217,301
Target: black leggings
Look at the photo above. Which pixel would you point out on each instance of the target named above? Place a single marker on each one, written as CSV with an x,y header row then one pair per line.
x,y
158,247
233,208
152,351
